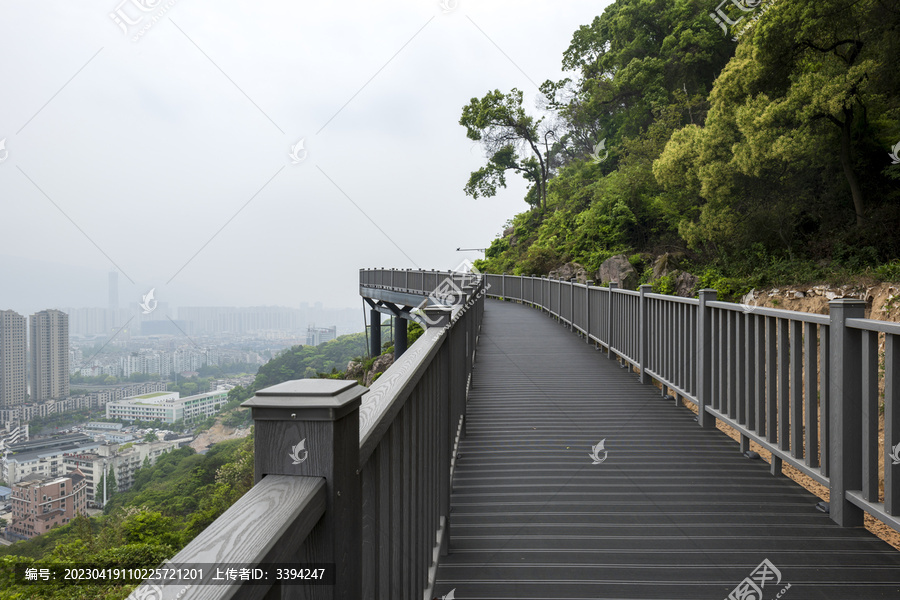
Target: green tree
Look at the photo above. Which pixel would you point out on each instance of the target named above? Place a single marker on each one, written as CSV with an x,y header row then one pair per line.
x,y
512,141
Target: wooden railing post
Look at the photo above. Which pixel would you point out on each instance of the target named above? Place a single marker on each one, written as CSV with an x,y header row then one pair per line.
x,y
609,320
643,331
704,358
310,427
846,410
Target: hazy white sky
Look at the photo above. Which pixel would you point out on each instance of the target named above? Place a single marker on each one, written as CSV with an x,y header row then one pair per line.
x,y
166,155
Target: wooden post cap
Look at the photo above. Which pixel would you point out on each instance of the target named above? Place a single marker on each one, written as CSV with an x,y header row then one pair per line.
x,y
306,400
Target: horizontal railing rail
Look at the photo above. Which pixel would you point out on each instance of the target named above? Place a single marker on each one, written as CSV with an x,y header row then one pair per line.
x,y
805,387
350,480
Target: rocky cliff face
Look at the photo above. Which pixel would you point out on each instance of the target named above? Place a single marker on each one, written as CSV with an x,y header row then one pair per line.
x,y
882,300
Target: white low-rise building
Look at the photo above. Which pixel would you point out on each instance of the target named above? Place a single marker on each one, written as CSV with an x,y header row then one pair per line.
x,y
167,407
42,457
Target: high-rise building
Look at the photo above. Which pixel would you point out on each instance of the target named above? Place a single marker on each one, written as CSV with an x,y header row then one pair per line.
x,y
13,379
49,347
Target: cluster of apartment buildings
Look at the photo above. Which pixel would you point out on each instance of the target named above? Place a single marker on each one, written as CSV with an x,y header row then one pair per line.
x,y
38,362
54,479
150,362
22,413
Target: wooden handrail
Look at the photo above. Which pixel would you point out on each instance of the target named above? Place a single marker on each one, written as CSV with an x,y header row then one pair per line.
x,y
266,525
355,478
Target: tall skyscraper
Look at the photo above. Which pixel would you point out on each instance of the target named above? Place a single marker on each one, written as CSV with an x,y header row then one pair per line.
x,y
49,346
12,359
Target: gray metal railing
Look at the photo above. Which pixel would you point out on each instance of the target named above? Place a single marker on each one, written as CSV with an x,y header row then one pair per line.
x,y
805,387
355,479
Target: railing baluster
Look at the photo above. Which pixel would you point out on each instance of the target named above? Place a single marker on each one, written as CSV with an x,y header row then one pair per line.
x,y
387,555
721,359
870,415
891,422
370,522
732,349
797,389
825,399
784,385
749,371
759,361
771,380
811,402
740,368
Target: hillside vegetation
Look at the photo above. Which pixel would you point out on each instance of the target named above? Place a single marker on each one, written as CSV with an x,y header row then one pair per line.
x,y
761,161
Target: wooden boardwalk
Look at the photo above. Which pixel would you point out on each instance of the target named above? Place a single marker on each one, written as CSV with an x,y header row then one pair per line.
x,y
673,512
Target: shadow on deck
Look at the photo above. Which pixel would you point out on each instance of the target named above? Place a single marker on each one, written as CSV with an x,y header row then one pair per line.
x,y
674,511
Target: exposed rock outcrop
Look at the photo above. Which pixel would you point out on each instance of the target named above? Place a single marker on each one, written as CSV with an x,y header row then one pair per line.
x,y
570,270
380,365
618,269
685,284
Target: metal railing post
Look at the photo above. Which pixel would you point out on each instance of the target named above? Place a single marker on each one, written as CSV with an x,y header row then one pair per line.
x,y
845,394
572,304
704,358
643,332
310,427
587,311
609,320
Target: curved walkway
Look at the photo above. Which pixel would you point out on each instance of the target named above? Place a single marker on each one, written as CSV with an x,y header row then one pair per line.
x,y
670,511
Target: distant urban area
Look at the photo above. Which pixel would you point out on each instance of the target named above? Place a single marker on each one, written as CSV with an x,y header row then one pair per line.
x,y
90,395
